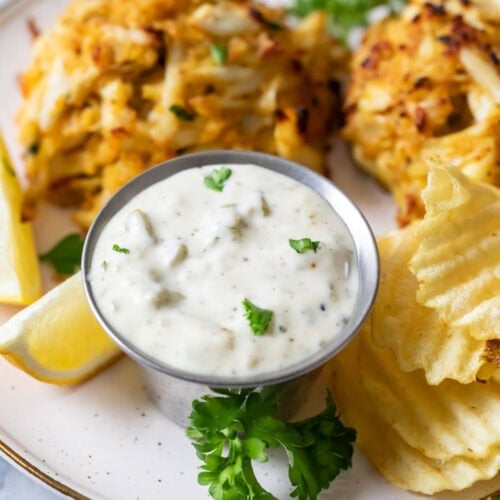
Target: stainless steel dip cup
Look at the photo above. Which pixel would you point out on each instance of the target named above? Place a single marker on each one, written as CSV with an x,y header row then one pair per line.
x,y
174,390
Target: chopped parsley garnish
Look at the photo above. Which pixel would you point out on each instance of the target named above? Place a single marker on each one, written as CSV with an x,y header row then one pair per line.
x,y
232,429
259,319
301,246
104,264
65,256
217,178
218,53
33,148
343,15
119,249
182,113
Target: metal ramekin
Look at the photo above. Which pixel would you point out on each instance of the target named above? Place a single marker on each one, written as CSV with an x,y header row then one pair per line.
x,y
174,389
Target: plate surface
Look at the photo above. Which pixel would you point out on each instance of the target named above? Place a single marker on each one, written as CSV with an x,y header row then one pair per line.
x,y
104,439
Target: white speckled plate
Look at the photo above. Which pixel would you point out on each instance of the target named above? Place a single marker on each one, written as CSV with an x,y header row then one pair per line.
x,y
104,439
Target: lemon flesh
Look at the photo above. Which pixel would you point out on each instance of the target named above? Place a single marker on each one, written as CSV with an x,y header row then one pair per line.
x,y
20,281
57,339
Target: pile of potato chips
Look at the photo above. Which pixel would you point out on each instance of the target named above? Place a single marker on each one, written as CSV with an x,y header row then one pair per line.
x,y
420,383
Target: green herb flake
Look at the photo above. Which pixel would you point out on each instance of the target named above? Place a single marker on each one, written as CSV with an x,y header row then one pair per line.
x,y
218,53
65,256
119,249
182,113
232,429
259,319
104,264
301,246
33,149
217,178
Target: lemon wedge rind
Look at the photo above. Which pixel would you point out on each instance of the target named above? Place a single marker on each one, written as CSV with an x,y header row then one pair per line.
x,y
20,279
57,339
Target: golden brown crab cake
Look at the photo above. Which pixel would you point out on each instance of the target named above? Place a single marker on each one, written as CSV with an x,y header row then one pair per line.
x,y
116,87
426,85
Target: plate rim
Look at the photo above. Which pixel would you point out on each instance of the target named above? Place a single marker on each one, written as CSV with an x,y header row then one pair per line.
x,y
7,452
10,454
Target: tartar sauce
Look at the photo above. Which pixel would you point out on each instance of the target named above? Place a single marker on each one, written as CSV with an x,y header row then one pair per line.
x,y
173,270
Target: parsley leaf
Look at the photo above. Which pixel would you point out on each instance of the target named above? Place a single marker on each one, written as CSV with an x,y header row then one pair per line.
x,y
217,178
119,249
301,246
237,426
65,256
182,113
218,53
258,318
343,15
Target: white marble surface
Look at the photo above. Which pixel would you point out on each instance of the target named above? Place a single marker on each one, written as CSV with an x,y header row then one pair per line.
x,y
16,486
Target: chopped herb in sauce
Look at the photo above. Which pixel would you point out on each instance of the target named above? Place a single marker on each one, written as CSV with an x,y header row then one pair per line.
x,y
218,53
217,178
119,249
259,319
65,256
301,246
105,264
182,113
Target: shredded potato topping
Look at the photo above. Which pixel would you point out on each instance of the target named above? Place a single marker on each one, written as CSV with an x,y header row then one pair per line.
x,y
426,87
116,87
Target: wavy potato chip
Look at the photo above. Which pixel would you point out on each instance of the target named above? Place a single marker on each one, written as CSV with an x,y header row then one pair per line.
x,y
416,334
402,464
457,263
441,421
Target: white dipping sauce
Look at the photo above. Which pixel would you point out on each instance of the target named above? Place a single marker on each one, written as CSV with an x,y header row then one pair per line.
x,y
194,255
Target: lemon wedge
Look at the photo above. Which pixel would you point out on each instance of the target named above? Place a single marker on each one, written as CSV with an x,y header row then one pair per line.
x,y
57,339
20,281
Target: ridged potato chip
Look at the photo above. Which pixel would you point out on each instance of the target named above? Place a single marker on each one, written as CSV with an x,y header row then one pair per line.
x,y
441,421
435,318
457,263
402,464
416,334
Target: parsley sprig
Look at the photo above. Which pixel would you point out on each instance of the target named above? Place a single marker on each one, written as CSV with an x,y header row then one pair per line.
x,y
343,15
217,178
237,426
65,256
259,319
